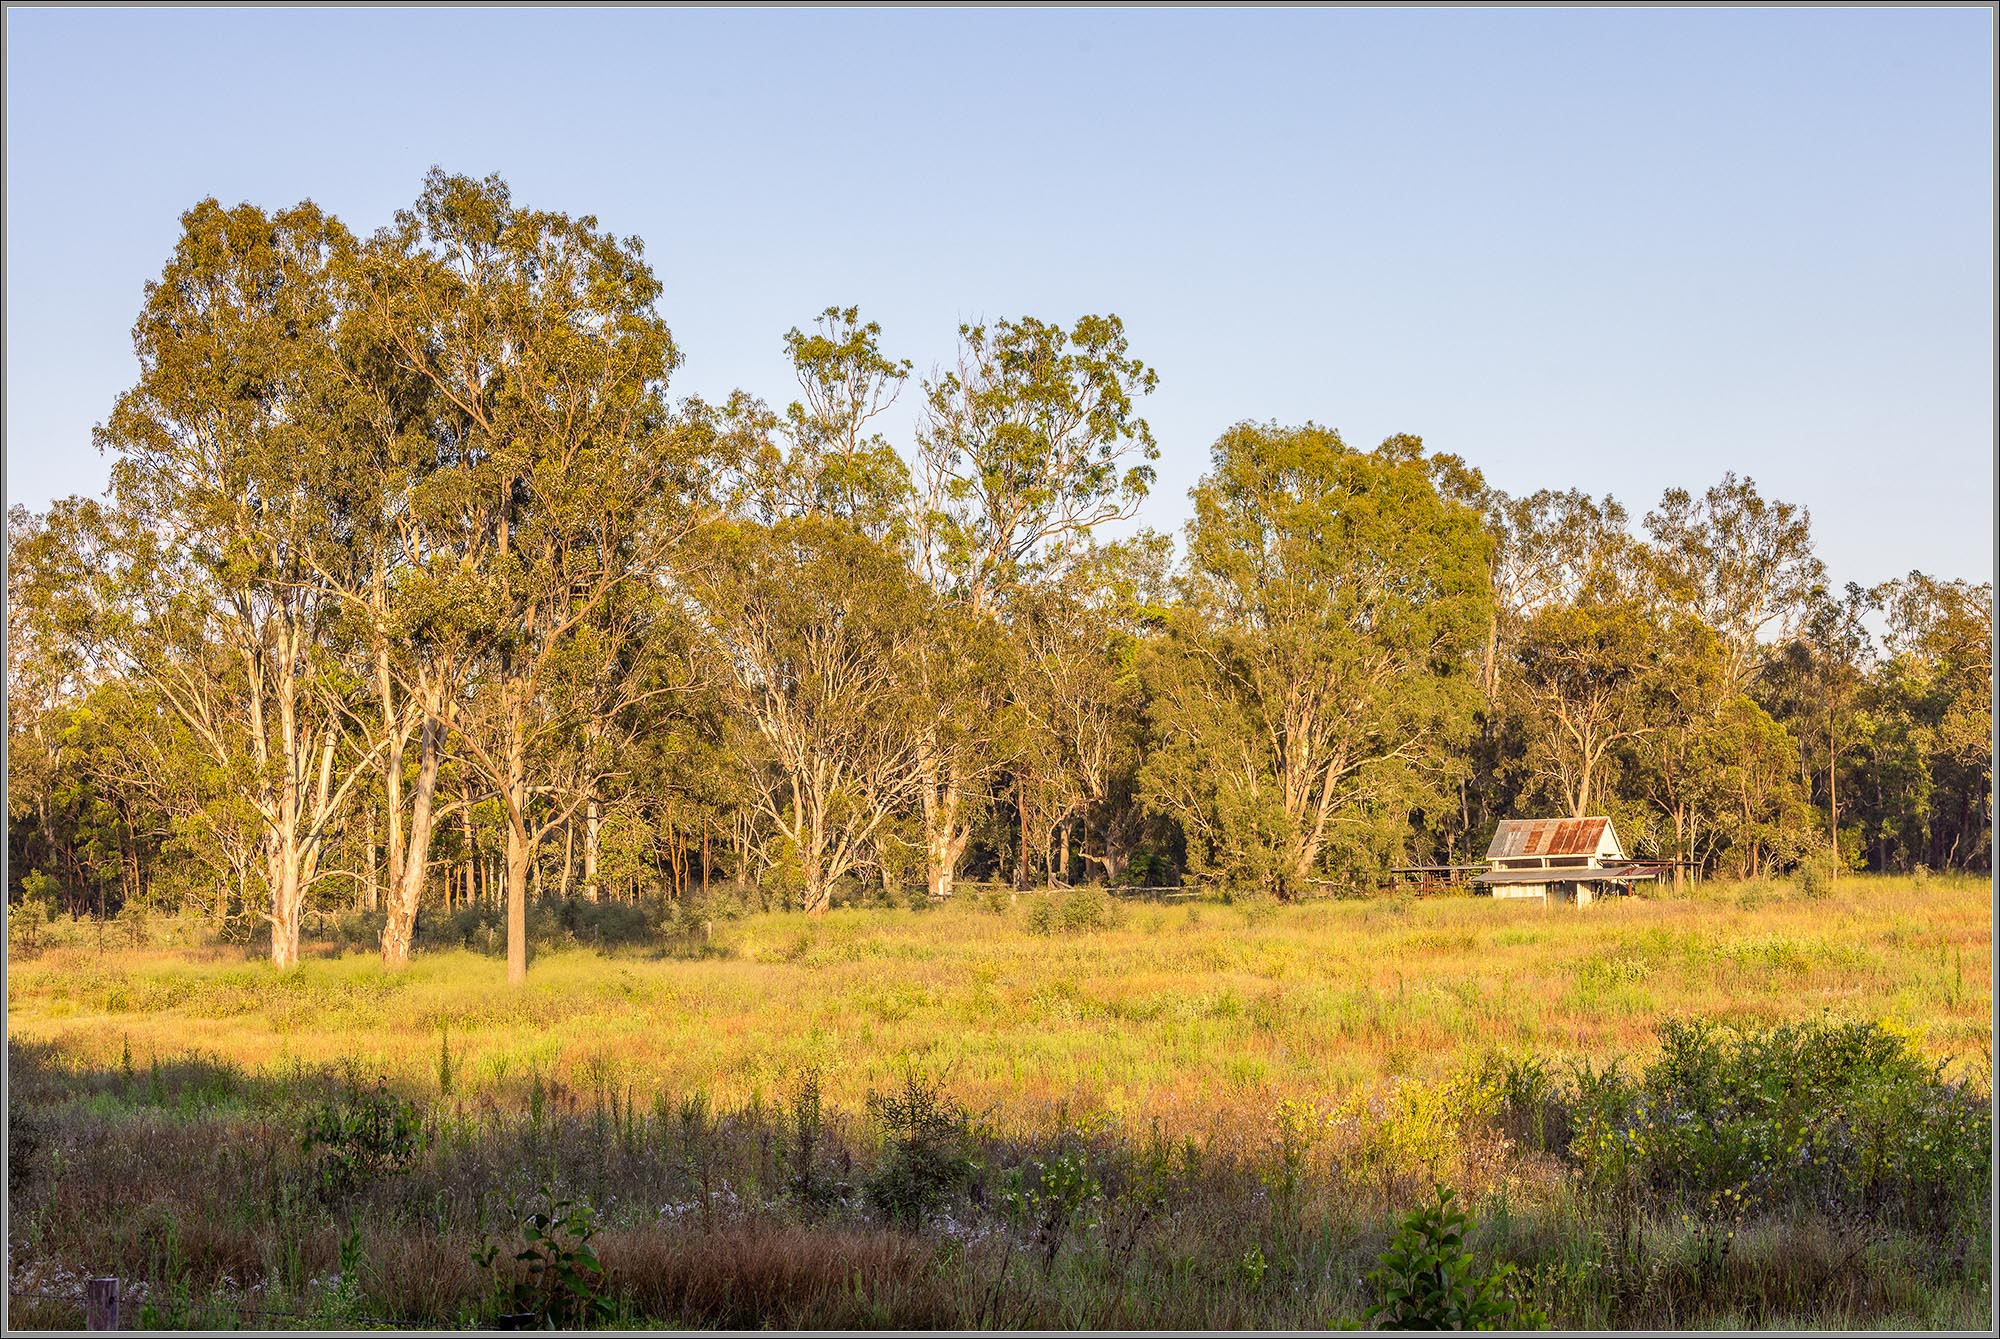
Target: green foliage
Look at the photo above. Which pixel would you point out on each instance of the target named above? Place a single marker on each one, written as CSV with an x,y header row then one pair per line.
x,y
1428,1280
925,1159
1828,1117
358,1136
555,1276
1048,1198
1331,601
1073,911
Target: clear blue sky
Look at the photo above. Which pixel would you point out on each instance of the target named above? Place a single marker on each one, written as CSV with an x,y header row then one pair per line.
x,y
1613,249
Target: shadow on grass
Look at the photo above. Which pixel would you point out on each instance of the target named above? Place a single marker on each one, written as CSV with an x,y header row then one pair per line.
x,y
1806,1176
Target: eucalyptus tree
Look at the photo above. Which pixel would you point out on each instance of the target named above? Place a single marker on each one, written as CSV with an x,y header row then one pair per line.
x,y
811,621
1316,677
1078,700
1025,447
1763,813
833,462
1546,546
1674,766
208,595
810,608
1930,700
1589,670
1814,684
561,476
401,628
1744,565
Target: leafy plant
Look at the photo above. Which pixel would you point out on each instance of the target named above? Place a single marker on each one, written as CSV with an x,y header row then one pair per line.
x,y
1253,1266
1845,1118
1049,1197
1427,1280
358,1136
342,1302
556,1276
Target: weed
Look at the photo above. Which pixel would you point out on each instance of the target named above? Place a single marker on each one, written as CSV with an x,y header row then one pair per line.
x,y
359,1136
1048,1198
814,1191
1427,1280
445,1062
555,1276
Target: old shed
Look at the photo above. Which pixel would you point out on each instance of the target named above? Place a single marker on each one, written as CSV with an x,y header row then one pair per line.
x,y
1568,859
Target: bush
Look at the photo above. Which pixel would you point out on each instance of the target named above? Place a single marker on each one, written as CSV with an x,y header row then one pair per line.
x,y
1840,1118
1816,874
925,1161
1427,1280
359,1136
555,1277
1073,911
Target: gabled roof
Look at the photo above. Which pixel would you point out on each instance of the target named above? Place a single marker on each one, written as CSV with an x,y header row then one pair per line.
x,y
1518,838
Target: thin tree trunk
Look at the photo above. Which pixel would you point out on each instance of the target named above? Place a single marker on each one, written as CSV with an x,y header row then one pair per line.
x,y
373,886
1021,845
569,855
471,854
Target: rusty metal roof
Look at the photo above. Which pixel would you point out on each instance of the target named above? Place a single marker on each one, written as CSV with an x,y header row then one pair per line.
x,y
1519,837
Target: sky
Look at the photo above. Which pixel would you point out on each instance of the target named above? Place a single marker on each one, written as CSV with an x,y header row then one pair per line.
x,y
1620,250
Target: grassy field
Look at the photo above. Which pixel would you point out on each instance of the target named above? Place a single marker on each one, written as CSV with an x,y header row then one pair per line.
x,y
1280,1053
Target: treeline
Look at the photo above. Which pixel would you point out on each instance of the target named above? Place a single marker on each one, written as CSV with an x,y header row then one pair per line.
x,y
415,588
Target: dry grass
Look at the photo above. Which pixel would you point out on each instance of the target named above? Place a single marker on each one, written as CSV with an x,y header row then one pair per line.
x,y
1254,1092
1186,1014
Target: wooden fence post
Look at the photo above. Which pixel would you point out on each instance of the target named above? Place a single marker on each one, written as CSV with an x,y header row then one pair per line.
x,y
101,1297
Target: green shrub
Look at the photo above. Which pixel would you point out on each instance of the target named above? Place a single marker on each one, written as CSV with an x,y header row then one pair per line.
x,y
358,1136
1073,911
1427,1280
1042,917
555,1277
924,1162
1816,874
1842,1118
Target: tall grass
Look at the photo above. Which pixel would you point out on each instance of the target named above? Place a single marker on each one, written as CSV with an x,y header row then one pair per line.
x,y
1182,1013
1203,1116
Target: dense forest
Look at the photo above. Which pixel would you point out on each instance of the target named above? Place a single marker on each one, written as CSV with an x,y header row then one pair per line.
x,y
415,587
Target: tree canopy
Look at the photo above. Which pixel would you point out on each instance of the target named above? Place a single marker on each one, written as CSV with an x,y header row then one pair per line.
x,y
416,595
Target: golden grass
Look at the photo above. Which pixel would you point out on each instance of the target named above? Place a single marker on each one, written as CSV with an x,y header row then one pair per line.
x,y
1181,1013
